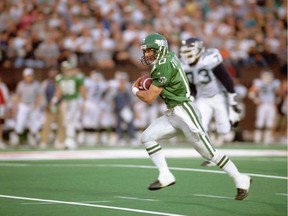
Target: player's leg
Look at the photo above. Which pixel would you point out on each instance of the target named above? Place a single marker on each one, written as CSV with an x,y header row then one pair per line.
x,y
189,122
269,123
159,129
221,114
35,123
203,104
21,121
259,123
72,112
60,130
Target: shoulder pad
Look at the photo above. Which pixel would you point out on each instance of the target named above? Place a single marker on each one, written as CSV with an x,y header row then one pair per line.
x,y
211,58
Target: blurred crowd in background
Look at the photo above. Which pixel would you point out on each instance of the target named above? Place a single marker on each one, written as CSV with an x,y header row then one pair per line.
x,y
104,34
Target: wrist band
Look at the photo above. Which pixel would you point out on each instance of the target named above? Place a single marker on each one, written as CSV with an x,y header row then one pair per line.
x,y
135,90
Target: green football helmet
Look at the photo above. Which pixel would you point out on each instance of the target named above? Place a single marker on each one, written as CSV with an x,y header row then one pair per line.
x,y
158,43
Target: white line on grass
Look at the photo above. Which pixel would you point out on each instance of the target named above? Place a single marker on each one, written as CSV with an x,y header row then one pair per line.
x,y
281,194
90,205
194,170
47,203
135,198
212,196
140,166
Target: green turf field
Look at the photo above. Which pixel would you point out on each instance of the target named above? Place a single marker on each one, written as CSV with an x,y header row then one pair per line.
x,y
118,187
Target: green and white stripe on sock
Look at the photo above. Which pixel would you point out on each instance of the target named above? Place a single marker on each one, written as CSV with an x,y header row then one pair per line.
x,y
224,160
153,149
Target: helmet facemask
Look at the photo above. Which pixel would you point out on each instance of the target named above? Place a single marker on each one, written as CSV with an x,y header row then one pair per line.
x,y
147,60
190,52
158,44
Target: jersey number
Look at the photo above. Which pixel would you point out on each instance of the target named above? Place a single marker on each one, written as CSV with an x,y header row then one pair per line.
x,y
68,87
205,77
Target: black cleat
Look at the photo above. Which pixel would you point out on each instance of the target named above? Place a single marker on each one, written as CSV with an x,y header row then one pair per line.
x,y
157,185
242,193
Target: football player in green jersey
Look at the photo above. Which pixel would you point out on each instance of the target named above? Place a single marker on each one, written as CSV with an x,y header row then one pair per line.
x,y
171,84
70,88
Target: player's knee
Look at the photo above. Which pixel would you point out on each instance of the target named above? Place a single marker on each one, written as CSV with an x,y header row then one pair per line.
x,y
147,137
218,156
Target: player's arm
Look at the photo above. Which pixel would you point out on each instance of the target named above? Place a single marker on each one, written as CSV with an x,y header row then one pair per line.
x,y
148,96
253,94
224,77
57,95
83,92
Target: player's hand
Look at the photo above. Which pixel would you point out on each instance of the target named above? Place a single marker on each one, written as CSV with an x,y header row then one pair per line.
x,y
136,83
234,115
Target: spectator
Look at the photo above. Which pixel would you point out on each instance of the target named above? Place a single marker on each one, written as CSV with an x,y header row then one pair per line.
x,y
4,96
48,52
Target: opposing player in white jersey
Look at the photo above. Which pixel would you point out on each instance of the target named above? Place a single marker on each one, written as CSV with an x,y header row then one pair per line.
x,y
263,93
211,85
95,85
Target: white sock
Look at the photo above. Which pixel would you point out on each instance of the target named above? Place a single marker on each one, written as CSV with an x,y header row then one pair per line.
x,y
226,164
157,156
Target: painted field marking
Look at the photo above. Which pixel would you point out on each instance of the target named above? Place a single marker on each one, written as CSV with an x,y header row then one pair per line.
x,y
129,153
135,198
90,205
281,194
212,196
193,170
142,167
47,203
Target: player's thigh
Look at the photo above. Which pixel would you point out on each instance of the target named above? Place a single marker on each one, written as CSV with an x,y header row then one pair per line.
x,y
270,115
206,111
159,129
22,116
260,116
221,116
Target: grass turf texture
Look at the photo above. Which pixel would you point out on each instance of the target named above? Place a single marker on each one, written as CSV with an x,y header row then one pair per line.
x,y
105,183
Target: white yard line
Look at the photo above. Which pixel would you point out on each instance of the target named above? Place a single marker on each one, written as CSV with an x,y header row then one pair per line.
x,y
212,196
135,198
47,203
138,166
90,205
281,194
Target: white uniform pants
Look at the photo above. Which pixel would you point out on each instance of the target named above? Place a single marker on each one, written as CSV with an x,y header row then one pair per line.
x,y
185,118
71,114
214,106
265,115
27,117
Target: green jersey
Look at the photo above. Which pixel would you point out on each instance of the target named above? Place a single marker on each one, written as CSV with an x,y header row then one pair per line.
x,y
70,86
168,73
